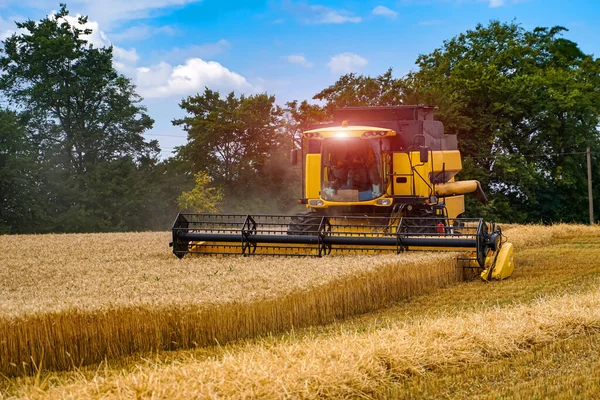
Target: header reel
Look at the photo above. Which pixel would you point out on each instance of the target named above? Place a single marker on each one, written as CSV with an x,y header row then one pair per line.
x,y
318,235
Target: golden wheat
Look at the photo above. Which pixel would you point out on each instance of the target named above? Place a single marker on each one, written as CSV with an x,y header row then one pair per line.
x,y
458,327
352,364
102,324
76,299
53,273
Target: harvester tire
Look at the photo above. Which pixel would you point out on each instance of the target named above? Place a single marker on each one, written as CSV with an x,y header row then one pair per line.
x,y
422,222
304,224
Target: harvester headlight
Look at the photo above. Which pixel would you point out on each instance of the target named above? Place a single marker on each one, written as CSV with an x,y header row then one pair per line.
x,y
384,202
316,203
370,134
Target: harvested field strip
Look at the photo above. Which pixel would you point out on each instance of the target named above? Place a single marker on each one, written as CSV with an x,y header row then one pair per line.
x,y
353,364
568,368
65,339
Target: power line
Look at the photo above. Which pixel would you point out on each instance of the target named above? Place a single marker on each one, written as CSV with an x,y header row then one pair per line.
x,y
535,155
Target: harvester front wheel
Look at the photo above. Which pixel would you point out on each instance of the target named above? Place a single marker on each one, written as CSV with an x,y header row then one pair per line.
x,y
424,221
304,224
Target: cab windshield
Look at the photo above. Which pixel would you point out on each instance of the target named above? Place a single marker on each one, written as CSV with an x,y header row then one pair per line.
x,y
352,169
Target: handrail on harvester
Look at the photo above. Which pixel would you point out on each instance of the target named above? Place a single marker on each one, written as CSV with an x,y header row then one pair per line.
x,y
291,235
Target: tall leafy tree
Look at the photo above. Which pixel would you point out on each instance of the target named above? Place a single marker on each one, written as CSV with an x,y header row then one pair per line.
x,y
229,137
74,93
526,101
298,117
84,130
243,144
524,104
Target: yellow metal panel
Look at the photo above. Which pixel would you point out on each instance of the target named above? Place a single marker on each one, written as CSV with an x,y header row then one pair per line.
x,y
422,171
455,205
312,176
449,157
439,161
504,263
402,166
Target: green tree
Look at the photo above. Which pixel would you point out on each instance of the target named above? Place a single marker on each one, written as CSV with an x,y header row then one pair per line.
x,y
352,90
202,198
524,105
233,139
228,136
521,102
21,205
298,117
95,170
74,93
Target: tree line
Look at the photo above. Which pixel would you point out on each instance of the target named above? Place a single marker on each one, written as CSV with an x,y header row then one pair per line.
x,y
73,157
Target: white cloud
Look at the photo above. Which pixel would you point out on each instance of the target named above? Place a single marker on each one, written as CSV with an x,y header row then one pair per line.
x,y
125,60
97,38
115,10
298,59
325,15
501,3
346,62
317,14
8,27
164,80
384,12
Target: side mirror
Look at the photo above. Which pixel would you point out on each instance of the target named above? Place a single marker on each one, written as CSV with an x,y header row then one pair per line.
x,y
419,140
424,156
294,157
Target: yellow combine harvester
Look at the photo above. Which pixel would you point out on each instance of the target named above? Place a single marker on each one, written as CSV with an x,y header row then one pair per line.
x,y
376,179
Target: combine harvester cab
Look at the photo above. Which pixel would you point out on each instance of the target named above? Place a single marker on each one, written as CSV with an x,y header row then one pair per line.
x,y
375,180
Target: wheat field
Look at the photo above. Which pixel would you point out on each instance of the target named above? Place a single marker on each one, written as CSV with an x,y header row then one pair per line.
x,y
71,300
434,345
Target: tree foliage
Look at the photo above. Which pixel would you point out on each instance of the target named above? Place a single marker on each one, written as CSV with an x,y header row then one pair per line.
x,y
202,198
352,90
527,101
74,93
243,145
21,207
72,154
524,104
228,137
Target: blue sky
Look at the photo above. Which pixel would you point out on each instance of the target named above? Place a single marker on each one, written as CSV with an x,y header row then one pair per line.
x,y
292,49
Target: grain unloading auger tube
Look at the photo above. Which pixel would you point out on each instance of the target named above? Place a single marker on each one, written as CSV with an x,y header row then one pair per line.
x,y
480,245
